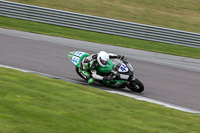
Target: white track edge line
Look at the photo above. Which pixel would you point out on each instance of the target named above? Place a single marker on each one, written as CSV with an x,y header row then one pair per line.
x,y
165,104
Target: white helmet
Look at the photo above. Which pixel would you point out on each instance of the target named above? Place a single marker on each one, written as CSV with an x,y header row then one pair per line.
x,y
102,58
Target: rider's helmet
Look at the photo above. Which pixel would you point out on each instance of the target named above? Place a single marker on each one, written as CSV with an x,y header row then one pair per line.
x,y
102,58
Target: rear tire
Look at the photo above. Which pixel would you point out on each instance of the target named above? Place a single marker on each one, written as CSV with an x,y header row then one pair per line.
x,y
79,73
136,86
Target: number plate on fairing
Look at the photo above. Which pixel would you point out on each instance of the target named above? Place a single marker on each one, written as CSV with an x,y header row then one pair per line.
x,y
75,60
79,54
123,68
123,76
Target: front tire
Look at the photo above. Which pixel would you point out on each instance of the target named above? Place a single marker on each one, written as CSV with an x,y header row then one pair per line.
x,y
136,86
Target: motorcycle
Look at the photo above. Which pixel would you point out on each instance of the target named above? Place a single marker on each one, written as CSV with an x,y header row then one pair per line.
x,y
121,71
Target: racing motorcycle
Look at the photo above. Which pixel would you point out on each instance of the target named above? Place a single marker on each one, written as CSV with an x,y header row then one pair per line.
x,y
121,71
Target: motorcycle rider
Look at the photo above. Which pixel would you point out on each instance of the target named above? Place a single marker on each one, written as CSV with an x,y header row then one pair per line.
x,y
88,66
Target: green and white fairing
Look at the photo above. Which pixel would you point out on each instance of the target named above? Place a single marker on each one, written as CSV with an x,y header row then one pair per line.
x,y
77,56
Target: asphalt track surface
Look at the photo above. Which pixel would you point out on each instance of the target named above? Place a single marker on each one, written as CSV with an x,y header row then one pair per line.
x,y
166,78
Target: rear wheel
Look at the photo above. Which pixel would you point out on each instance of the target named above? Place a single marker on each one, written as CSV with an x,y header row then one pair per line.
x,y
136,86
79,73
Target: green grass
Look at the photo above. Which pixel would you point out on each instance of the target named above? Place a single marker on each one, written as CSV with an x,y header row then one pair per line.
x,y
175,14
41,28
31,103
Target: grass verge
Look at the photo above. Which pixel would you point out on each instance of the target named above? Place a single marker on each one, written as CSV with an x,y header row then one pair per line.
x,y
31,103
29,26
175,14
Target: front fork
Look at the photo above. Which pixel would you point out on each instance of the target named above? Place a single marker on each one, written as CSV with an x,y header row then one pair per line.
x,y
131,80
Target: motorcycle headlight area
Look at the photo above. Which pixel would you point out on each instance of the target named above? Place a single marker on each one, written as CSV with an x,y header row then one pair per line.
x,y
131,69
130,66
123,76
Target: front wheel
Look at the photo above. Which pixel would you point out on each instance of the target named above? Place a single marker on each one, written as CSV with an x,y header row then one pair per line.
x,y
136,86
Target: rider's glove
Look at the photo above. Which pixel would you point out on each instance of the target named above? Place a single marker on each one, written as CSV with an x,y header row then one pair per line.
x,y
121,57
107,77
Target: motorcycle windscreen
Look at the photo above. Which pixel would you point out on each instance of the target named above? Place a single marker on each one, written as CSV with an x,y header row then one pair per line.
x,y
76,57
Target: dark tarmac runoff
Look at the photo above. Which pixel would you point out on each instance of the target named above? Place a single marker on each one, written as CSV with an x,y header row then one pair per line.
x,y
167,78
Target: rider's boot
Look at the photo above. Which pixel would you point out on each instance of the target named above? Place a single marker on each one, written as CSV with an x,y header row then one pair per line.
x,y
84,67
90,81
88,77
